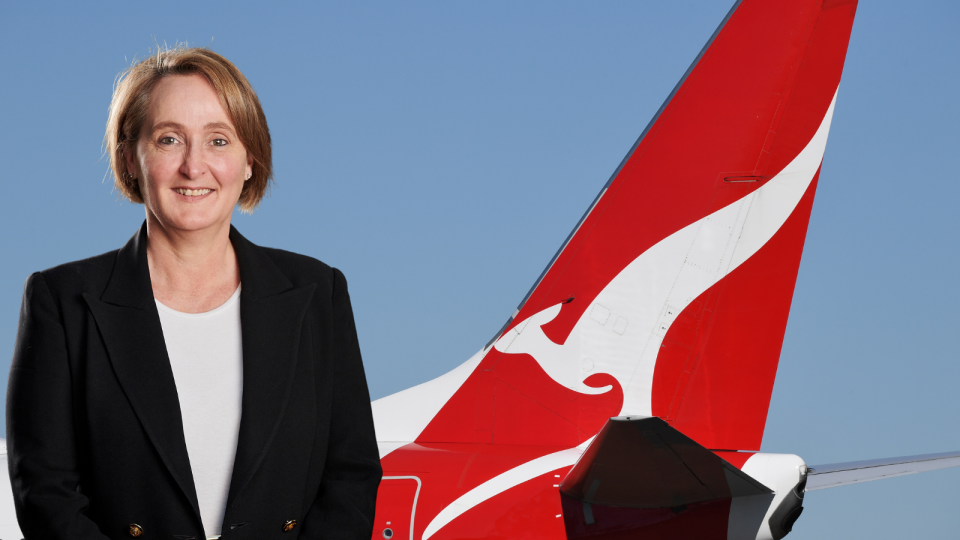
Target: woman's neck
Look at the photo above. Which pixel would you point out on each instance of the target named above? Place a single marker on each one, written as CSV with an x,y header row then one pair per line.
x,y
191,271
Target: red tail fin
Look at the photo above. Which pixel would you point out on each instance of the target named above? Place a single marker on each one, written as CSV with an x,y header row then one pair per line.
x,y
671,296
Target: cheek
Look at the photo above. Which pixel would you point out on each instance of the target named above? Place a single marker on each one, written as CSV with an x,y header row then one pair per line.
x,y
232,170
157,166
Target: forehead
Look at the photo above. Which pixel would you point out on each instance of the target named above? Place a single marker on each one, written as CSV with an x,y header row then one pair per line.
x,y
189,100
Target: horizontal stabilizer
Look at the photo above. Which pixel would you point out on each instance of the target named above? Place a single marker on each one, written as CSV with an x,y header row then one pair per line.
x,y
641,478
854,472
642,462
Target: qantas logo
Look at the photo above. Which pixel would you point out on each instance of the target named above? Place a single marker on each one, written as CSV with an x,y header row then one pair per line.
x,y
621,332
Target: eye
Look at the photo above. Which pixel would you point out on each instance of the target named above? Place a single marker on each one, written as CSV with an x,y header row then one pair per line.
x,y
167,140
219,142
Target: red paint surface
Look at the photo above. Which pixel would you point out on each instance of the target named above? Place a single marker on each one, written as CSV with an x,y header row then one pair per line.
x,y
728,111
510,400
529,510
716,368
715,374
395,508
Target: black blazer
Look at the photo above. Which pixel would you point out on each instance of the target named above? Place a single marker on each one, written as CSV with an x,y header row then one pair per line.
x,y
95,439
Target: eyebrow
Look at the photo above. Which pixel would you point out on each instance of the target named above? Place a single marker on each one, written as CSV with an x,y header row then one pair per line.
x,y
211,125
219,125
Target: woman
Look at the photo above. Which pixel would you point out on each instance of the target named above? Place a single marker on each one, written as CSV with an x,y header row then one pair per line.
x,y
190,384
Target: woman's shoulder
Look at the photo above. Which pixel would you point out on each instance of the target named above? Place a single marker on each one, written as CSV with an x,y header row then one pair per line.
x,y
303,269
65,284
262,263
81,275
91,275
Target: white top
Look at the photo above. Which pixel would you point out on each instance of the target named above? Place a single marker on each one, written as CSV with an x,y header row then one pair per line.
x,y
206,355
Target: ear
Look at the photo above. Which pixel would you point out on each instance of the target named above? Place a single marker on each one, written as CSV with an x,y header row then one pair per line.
x,y
130,157
249,172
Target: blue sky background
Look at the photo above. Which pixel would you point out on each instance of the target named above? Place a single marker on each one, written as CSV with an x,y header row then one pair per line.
x,y
440,152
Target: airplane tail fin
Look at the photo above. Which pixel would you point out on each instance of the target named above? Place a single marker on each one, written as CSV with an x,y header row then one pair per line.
x,y
670,297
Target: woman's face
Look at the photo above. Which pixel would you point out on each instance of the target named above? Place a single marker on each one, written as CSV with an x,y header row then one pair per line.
x,y
189,162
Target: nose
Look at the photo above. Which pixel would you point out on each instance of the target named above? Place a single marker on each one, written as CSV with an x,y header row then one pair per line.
x,y
193,165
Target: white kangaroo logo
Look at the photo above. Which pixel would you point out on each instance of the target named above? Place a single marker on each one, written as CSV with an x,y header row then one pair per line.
x,y
621,332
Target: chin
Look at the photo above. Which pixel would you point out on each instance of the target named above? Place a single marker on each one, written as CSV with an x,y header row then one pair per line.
x,y
192,223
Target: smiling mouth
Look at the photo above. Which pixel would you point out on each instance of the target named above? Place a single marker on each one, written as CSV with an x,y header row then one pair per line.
x,y
192,192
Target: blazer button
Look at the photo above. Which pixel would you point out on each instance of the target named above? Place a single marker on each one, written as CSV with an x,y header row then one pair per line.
x,y
288,526
135,530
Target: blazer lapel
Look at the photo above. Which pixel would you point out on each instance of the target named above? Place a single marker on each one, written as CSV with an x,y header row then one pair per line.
x,y
271,315
130,326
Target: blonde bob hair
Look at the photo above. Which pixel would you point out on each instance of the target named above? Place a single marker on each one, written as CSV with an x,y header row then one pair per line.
x,y
131,99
